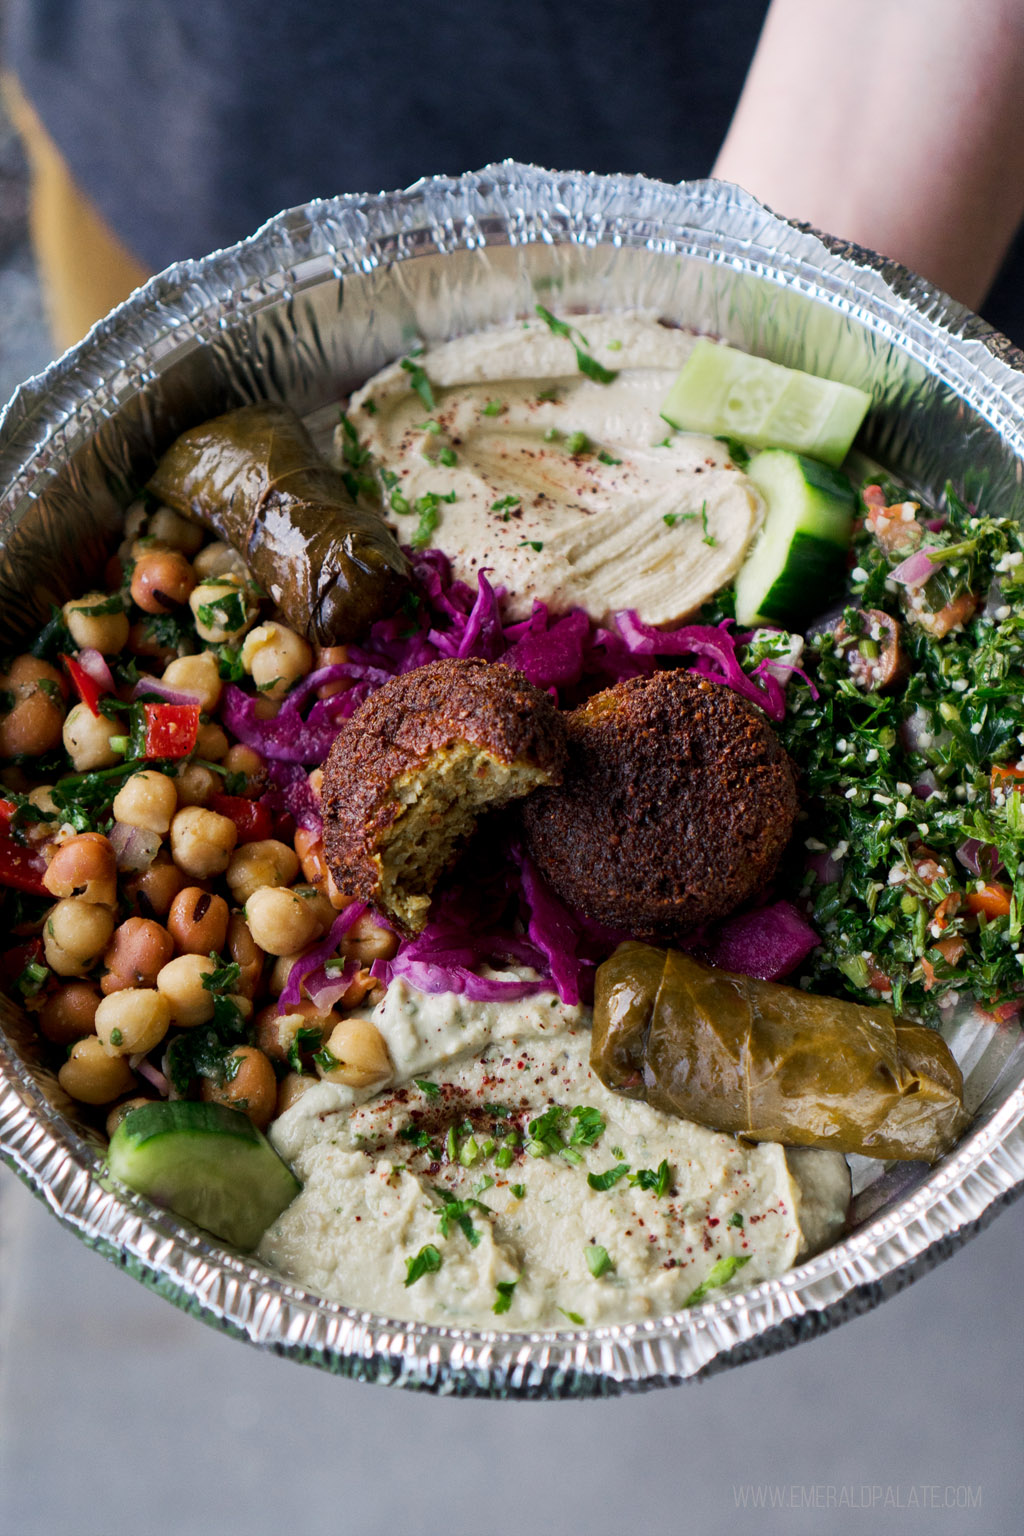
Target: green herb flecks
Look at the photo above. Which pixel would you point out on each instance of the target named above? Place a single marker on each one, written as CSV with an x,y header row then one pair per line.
x,y
505,1290
432,1090
608,1179
418,380
459,1212
535,544
721,1274
657,1180
426,1262
574,1317
492,408
598,1260
585,363
428,511
227,613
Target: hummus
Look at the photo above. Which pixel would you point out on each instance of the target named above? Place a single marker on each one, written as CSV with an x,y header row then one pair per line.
x,y
564,488
441,1181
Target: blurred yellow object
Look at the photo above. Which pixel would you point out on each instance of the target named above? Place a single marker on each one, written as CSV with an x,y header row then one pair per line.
x,y
83,267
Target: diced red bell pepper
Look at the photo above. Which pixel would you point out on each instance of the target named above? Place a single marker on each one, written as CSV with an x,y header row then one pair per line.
x,y
7,810
253,820
87,688
21,868
171,729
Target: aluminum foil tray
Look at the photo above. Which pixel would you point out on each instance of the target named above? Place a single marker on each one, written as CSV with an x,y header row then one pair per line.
x,y
316,301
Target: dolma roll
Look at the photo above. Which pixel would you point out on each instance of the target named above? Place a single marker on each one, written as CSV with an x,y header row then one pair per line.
x,y
254,477
770,1062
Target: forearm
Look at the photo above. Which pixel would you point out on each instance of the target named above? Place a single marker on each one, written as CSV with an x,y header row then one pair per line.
x,y
896,123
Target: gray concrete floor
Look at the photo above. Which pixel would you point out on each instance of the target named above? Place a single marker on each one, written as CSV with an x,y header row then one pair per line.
x,y
119,1416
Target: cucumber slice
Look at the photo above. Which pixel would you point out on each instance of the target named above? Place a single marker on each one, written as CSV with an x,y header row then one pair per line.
x,y
731,394
204,1162
796,565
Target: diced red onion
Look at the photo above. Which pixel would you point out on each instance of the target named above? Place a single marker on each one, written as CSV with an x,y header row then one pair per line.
x,y
94,663
135,847
768,943
918,568
980,858
291,992
147,1070
324,989
827,869
156,685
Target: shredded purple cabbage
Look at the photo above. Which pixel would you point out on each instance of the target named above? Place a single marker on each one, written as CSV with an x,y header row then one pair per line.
x,y
314,958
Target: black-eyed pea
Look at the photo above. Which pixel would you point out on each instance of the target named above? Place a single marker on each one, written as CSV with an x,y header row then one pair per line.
x,y
223,609
162,580
84,866
151,891
177,532
244,952
195,784
309,846
87,739
198,676
93,1076
275,657
119,1111
132,1021
198,921
266,862
148,800
290,1090
249,1085
69,1013
34,721
138,950
368,940
75,934
97,620
180,983
359,1052
202,841
280,921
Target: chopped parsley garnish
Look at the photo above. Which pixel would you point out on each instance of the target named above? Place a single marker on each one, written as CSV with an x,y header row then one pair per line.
x,y
505,1290
483,1184
656,1180
427,511
604,457
417,1137
432,1090
519,1190
304,1039
671,518
546,1137
609,1179
534,544
505,504
224,977
459,1211
738,452
573,1317
709,538
736,1220
101,609
352,450
426,1262
493,408
227,612
418,380
721,1274
577,443
326,1060
584,362
448,457
499,1111
598,1260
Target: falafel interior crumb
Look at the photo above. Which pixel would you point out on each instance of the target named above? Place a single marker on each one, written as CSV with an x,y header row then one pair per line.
x,y
442,800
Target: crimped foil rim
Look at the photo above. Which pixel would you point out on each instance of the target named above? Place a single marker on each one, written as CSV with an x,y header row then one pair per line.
x,y
504,204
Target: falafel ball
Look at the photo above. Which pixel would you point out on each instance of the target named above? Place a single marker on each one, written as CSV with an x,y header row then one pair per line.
x,y
410,772
677,802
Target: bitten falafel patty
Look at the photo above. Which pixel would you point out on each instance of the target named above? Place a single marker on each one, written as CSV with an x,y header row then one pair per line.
x,y
677,802
413,768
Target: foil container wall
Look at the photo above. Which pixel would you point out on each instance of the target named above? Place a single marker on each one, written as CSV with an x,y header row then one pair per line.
x,y
319,299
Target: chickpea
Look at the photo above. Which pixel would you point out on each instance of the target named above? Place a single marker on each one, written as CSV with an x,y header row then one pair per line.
x,y
142,641
132,1021
290,1090
195,784
331,656
134,522
367,941
92,1076
151,891
202,842
162,579
242,759
219,559
249,1085
276,1027
138,949
223,608
87,739
318,903
75,934
361,1053
178,532
246,954
106,632
280,972
211,742
180,983
197,675
280,921
148,800
198,921
119,1111
84,866
34,722
276,657
70,1012
364,988
264,862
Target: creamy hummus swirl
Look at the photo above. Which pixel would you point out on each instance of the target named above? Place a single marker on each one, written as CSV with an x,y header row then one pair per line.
x,y
565,489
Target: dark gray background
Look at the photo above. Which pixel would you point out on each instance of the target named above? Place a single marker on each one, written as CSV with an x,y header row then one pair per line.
x,y
120,1416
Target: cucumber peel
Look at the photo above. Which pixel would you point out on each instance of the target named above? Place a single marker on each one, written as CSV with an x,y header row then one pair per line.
x,y
797,563
728,393
206,1163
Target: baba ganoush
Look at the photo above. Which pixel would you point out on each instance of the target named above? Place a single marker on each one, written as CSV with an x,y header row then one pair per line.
x,y
561,487
501,1185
